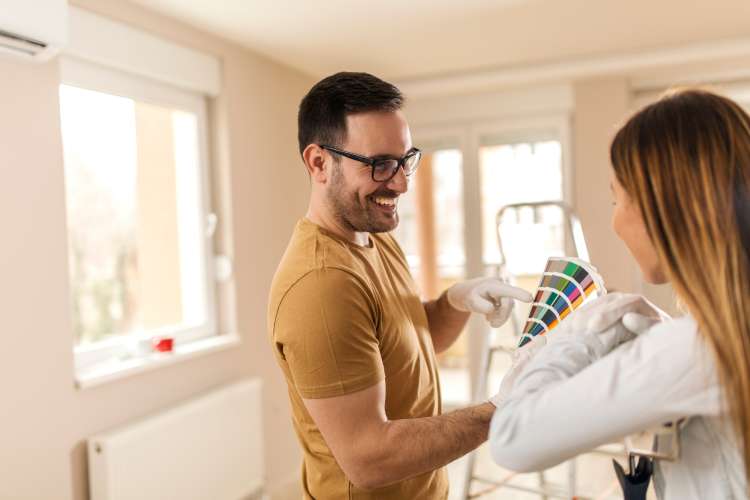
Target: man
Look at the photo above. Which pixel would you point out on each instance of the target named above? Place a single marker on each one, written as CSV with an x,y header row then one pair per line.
x,y
355,343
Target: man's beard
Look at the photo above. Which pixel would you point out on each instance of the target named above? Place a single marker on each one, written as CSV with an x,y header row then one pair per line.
x,y
349,212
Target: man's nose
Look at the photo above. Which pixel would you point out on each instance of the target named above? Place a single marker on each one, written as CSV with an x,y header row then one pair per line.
x,y
399,182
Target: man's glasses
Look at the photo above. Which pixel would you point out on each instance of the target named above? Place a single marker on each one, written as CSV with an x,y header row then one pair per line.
x,y
383,169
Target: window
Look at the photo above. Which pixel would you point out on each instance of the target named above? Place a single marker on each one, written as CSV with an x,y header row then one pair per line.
x,y
406,232
138,219
521,172
441,193
448,188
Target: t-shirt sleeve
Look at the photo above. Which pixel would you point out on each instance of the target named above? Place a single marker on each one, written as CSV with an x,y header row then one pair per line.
x,y
326,332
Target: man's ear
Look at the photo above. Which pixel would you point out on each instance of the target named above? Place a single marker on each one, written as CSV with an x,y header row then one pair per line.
x,y
317,163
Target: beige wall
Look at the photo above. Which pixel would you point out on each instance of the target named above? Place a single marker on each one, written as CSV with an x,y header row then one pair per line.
x,y
37,410
45,420
601,106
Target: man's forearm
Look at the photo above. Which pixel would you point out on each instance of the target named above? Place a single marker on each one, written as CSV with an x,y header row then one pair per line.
x,y
445,322
414,446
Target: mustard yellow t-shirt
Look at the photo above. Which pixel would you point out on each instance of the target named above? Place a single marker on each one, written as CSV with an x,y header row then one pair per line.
x,y
342,318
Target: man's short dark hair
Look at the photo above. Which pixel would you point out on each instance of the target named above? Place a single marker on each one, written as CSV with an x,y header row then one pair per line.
x,y
323,111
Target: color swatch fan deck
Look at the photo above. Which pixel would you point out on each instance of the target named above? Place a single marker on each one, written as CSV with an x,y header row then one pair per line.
x,y
567,284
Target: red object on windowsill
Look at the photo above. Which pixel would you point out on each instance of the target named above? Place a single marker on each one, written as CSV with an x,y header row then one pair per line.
x,y
163,344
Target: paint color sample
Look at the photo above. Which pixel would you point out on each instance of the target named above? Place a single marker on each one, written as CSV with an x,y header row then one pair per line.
x,y
566,284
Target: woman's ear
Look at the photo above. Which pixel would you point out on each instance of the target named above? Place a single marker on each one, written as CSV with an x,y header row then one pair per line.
x,y
316,162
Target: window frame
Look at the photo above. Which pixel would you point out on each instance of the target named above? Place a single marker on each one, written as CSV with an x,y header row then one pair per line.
x,y
90,76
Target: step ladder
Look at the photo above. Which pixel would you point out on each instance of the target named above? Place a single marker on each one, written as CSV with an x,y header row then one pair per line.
x,y
574,244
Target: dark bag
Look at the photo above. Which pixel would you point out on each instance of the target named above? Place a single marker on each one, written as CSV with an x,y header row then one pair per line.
x,y
635,483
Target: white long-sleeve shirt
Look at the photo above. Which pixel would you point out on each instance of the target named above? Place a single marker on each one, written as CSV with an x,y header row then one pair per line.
x,y
566,402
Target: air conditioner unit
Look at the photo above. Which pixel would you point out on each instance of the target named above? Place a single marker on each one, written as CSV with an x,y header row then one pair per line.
x,y
33,29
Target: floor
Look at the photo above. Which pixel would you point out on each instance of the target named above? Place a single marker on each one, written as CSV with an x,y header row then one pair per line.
x,y
595,479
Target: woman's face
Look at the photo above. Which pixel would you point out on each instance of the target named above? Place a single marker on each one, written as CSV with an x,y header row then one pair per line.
x,y
628,223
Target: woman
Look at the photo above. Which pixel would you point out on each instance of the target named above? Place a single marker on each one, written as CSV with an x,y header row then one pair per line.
x,y
681,188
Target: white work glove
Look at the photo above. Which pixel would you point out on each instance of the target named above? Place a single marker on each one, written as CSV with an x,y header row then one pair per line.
x,y
640,323
489,296
521,357
603,323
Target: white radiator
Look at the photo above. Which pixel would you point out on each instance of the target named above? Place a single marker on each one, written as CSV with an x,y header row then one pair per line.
x,y
209,448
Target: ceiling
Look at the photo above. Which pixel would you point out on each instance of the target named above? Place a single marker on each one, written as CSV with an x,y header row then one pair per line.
x,y
403,40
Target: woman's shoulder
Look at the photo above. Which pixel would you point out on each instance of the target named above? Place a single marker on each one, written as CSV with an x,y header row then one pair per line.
x,y
683,324
679,356
678,339
676,332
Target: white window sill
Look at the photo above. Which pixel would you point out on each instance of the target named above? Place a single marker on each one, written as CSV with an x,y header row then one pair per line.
x,y
120,368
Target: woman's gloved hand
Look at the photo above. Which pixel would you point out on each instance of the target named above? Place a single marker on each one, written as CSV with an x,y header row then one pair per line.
x,y
491,297
609,321
586,335
639,323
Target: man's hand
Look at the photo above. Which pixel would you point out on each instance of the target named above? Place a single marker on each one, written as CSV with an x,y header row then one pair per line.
x,y
521,358
489,296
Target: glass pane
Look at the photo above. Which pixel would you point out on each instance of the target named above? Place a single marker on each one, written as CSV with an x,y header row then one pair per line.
x,y
134,215
516,173
447,178
446,198
406,232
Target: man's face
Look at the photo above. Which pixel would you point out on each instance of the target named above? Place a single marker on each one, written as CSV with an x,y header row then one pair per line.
x,y
359,203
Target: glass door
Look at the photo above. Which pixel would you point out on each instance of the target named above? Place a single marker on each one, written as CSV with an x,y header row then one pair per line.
x,y
448,225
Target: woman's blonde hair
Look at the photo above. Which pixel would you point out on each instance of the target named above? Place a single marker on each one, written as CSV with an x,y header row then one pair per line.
x,y
685,161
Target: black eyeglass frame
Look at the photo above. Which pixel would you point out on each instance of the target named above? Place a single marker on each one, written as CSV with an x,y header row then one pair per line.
x,y
374,162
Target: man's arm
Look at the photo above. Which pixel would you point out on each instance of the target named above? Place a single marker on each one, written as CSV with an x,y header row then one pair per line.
x,y
445,322
374,452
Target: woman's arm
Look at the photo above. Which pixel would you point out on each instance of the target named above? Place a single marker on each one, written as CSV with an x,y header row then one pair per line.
x,y
568,401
